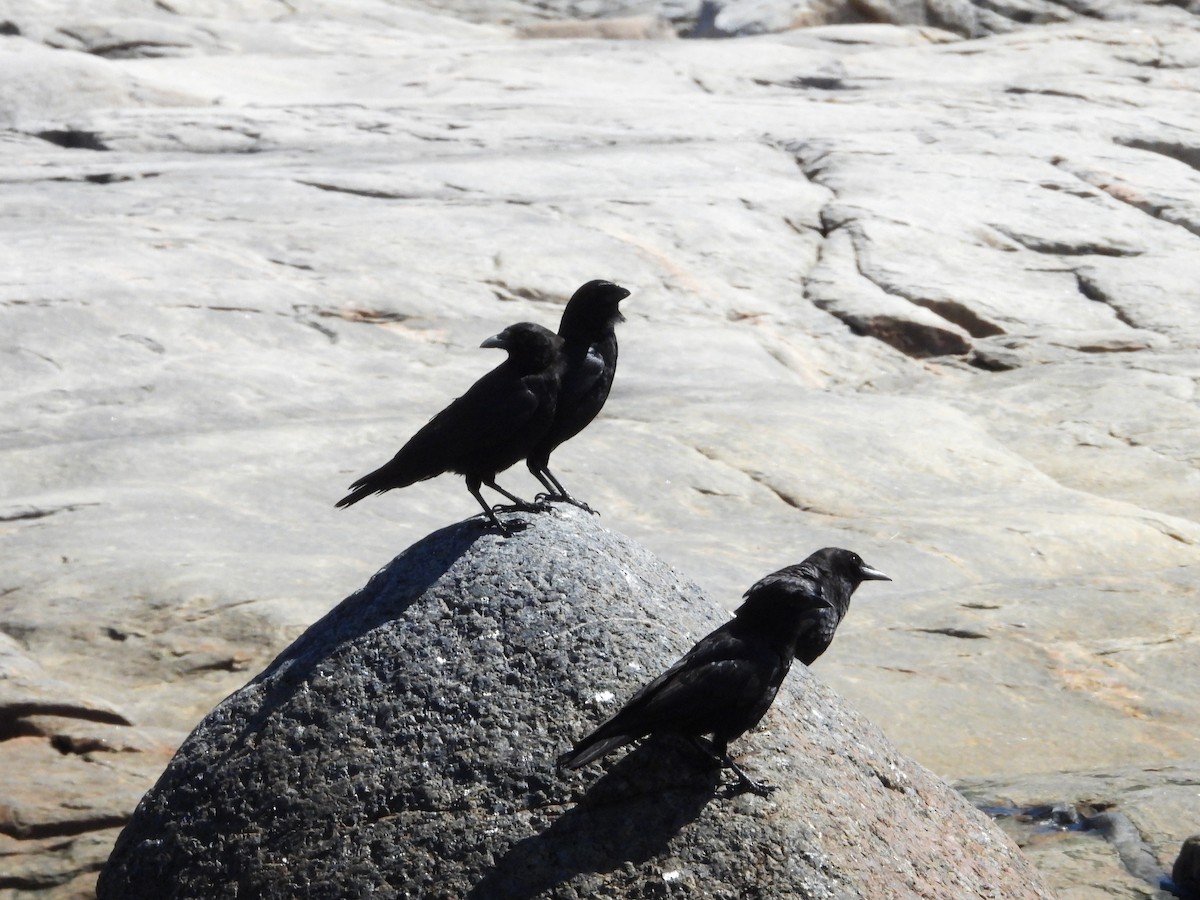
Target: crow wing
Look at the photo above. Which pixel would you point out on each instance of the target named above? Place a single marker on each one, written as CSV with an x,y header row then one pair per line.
x,y
722,685
479,431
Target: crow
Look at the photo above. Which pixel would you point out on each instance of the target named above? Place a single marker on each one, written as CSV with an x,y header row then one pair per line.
x,y
486,430
590,349
726,683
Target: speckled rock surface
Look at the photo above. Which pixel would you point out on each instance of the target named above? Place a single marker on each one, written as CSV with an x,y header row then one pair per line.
x,y
405,744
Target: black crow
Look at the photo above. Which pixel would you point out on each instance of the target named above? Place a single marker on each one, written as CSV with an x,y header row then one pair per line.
x,y
590,349
486,430
727,682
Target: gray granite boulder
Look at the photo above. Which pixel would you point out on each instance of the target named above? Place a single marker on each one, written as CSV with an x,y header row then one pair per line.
x,y
405,744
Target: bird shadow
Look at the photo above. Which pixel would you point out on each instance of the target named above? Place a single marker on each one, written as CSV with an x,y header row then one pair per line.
x,y
627,817
385,597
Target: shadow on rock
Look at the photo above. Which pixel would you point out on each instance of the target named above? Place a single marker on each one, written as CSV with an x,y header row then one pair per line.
x,y
628,816
387,596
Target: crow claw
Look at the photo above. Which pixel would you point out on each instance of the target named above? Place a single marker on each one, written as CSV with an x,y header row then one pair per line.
x,y
760,788
582,505
564,498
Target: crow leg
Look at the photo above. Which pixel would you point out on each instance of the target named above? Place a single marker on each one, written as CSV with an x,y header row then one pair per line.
x,y
517,502
473,487
706,749
761,788
552,492
720,752
555,490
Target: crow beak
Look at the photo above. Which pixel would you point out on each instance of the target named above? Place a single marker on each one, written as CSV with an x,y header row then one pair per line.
x,y
496,340
868,574
624,294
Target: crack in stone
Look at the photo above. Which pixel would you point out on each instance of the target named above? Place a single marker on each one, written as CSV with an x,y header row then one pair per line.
x,y
302,313
373,193
506,292
1167,531
38,830
1053,247
10,712
1079,7
1188,155
1129,195
365,316
94,178
909,337
35,512
127,49
72,139
760,479
1092,291
964,633
304,267
244,309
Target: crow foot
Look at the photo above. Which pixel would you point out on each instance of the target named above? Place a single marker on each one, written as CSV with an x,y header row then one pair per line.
x,y
523,506
564,498
720,755
489,519
747,784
